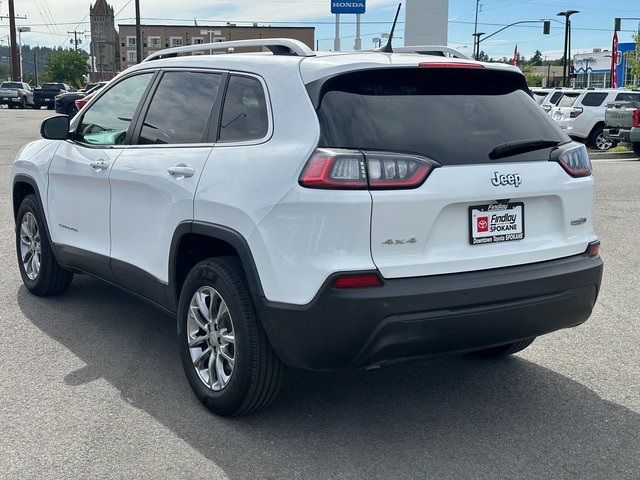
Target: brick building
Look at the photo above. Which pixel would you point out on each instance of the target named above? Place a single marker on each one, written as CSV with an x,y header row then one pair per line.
x,y
157,37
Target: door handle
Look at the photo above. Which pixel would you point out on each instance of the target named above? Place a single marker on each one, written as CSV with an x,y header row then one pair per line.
x,y
99,165
181,171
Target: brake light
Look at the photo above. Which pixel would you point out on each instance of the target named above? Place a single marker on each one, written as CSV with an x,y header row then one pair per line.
x,y
81,102
358,280
575,161
356,170
593,248
636,118
335,169
575,111
449,65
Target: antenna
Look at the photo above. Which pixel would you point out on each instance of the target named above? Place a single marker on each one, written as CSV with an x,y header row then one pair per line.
x,y
387,48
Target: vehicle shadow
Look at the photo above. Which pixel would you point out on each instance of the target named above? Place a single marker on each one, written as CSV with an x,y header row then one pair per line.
x,y
453,417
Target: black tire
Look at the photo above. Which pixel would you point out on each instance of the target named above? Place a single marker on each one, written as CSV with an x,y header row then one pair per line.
x,y
597,140
71,110
253,379
41,273
635,146
23,103
505,350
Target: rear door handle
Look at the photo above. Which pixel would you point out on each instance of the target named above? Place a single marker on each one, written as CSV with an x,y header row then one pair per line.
x,y
181,171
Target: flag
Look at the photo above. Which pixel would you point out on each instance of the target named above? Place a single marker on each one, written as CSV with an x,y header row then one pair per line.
x,y
614,61
514,62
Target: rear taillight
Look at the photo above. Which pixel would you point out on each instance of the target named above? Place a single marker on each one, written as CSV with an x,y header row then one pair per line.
x,y
356,170
575,111
81,102
357,280
593,248
636,118
575,160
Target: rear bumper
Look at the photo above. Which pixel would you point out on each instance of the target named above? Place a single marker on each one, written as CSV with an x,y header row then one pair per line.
x,y
616,134
411,317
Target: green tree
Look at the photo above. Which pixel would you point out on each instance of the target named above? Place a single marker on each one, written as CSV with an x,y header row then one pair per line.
x,y
483,57
536,59
533,79
5,70
634,61
68,66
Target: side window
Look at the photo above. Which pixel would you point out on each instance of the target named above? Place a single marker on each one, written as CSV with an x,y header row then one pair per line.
x,y
594,99
180,108
244,114
107,121
630,97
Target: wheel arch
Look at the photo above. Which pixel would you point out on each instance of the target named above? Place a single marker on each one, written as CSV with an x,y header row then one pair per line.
x,y
24,185
599,124
195,241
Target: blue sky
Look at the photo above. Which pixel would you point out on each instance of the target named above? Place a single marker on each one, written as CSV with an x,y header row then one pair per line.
x,y
50,21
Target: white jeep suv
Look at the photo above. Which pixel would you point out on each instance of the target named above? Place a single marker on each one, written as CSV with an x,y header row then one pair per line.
x,y
319,210
580,113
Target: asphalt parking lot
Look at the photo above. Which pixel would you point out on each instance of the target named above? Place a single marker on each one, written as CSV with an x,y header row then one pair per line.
x,y
91,386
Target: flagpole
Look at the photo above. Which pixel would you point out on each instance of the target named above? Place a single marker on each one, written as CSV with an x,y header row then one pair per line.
x,y
614,60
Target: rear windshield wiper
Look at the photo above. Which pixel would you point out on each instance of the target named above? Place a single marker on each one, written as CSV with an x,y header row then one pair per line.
x,y
508,149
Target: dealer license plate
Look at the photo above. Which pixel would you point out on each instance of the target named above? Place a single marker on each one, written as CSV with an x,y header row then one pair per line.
x,y
498,222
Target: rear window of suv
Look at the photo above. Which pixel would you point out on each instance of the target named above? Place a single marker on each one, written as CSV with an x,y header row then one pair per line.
x,y
568,99
449,115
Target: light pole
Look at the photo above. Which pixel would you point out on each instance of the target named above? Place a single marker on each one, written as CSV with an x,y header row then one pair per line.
x,y
476,37
567,35
476,44
20,30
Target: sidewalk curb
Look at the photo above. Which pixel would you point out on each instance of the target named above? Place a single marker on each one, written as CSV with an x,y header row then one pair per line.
x,y
612,155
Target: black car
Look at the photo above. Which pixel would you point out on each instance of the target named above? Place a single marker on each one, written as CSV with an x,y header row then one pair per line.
x,y
66,102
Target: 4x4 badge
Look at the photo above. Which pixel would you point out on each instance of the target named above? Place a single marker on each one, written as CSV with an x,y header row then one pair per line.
x,y
508,179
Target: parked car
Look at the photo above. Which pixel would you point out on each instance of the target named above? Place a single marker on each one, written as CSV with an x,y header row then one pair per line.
x,y
546,97
321,210
580,113
16,94
45,95
66,102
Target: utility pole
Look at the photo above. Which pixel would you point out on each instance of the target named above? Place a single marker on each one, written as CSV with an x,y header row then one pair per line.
x,y
138,34
75,40
15,54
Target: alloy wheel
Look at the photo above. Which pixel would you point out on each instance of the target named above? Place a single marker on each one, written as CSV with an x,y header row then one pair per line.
x,y
30,245
211,338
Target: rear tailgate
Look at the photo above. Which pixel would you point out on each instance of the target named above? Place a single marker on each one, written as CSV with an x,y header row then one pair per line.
x,y
479,207
460,220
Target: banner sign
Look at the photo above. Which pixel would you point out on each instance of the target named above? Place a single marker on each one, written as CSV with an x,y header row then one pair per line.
x,y
347,7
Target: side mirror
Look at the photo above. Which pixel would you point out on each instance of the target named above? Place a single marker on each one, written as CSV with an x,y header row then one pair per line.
x,y
55,128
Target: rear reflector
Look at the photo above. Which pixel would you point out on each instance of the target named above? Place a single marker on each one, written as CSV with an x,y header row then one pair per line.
x,y
593,248
358,280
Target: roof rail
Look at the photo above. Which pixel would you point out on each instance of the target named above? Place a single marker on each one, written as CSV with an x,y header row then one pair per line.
x,y
278,46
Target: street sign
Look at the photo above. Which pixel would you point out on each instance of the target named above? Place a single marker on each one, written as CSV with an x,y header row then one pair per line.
x,y
347,7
